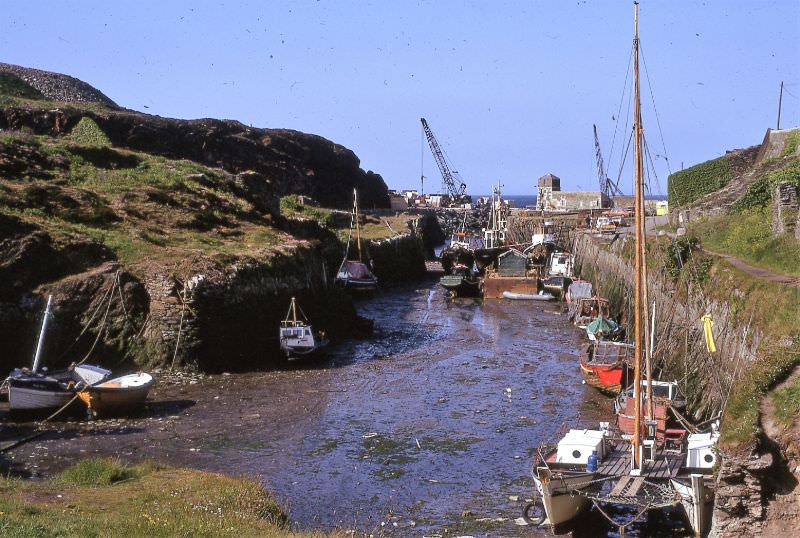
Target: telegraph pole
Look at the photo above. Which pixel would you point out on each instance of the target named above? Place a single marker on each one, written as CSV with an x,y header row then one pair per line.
x,y
780,99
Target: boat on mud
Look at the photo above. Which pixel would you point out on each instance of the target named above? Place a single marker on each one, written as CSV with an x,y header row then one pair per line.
x,y
494,235
460,250
117,396
559,273
667,404
603,328
605,365
297,337
462,282
589,309
30,390
355,275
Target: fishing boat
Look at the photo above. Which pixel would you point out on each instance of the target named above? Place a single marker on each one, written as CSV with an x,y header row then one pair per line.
x,y
355,275
116,396
588,309
31,390
494,235
462,282
297,337
559,273
633,472
605,365
603,328
459,251
667,402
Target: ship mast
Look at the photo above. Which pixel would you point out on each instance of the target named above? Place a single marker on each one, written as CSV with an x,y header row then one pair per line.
x,y
355,217
640,303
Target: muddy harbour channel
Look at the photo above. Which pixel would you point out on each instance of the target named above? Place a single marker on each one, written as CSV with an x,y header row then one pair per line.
x,y
427,428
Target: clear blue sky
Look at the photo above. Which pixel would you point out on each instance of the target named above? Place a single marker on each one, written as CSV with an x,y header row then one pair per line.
x,y
511,89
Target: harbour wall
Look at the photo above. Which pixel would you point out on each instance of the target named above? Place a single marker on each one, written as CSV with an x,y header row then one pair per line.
x,y
748,476
209,313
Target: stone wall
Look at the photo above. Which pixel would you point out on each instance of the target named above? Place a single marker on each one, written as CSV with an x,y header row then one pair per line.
x,y
785,209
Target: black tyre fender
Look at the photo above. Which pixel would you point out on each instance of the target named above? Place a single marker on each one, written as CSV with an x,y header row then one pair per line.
x,y
526,514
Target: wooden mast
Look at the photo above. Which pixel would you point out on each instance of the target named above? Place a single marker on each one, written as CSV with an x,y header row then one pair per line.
x,y
294,311
355,217
639,339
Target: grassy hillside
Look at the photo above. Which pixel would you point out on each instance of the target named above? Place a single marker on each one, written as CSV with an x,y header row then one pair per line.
x,y
745,230
142,207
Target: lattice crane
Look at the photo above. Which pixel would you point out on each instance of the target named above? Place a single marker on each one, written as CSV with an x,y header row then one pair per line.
x,y
607,187
450,179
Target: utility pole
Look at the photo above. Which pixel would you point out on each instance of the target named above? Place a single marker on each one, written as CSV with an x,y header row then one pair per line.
x,y
780,99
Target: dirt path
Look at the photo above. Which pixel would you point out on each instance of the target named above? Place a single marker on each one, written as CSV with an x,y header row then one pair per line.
x,y
758,272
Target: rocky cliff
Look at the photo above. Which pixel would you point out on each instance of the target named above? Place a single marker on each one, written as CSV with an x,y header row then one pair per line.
x,y
162,241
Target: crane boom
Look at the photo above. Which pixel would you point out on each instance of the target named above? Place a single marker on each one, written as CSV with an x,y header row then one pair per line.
x,y
607,187
450,180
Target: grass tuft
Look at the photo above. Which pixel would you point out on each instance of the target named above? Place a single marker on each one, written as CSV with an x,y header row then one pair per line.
x,y
98,472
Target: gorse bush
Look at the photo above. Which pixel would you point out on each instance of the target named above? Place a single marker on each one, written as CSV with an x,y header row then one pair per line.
x,y
88,133
686,186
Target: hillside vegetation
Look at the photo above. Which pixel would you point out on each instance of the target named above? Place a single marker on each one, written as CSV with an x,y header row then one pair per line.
x,y
107,498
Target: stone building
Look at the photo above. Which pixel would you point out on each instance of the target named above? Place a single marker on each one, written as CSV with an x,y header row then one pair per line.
x,y
550,197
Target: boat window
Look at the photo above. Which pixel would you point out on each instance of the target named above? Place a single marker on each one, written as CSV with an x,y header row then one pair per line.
x,y
576,454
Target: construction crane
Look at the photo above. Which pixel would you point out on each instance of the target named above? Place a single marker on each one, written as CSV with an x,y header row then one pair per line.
x,y
451,182
607,187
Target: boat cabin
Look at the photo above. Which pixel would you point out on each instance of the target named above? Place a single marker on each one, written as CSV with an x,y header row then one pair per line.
x,y
561,264
589,308
512,263
700,454
578,445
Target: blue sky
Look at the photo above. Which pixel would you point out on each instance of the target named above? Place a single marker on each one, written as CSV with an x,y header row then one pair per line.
x,y
511,89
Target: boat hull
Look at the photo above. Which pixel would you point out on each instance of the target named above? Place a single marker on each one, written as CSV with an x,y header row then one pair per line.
x,y
110,399
560,503
607,378
33,399
461,286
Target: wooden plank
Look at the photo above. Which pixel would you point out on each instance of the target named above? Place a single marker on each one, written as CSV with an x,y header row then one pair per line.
x,y
620,486
636,485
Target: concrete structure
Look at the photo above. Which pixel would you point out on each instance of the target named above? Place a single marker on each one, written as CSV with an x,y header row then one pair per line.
x,y
397,201
785,209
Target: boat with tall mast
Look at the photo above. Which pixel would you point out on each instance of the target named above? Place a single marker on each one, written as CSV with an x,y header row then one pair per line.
x,y
599,467
494,235
355,274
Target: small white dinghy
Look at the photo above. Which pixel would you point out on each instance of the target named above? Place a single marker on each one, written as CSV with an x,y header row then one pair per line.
x,y
117,396
541,296
297,337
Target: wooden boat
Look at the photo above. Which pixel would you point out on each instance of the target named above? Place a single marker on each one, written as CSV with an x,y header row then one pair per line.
x,y
462,282
30,390
459,250
604,365
494,235
665,397
355,275
541,296
117,396
588,309
603,328
561,471
297,337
